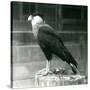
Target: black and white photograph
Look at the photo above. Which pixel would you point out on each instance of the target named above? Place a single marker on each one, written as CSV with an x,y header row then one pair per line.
x,y
49,44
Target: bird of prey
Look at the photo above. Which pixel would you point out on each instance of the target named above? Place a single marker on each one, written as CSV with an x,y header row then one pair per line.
x,y
50,42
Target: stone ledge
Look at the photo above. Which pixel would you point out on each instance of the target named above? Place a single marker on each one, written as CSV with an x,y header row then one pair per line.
x,y
59,80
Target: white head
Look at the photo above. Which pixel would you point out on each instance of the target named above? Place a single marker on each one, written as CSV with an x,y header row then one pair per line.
x,y
36,19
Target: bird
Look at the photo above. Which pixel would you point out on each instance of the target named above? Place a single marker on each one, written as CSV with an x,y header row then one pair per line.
x,y
50,42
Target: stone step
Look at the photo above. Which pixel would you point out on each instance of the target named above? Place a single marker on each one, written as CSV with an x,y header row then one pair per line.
x,y
34,53
27,38
68,24
21,26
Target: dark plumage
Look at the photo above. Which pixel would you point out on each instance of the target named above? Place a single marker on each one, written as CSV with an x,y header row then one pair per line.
x,y
51,43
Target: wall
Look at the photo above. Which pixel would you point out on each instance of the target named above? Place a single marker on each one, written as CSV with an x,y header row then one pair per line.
x,y
27,57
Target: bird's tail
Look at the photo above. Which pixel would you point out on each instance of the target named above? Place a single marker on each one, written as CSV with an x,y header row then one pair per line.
x,y
74,68
73,63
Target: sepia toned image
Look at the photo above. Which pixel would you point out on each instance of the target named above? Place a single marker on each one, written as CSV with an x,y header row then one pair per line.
x,y
48,45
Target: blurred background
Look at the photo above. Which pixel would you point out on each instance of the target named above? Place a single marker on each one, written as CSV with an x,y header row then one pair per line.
x,y
70,21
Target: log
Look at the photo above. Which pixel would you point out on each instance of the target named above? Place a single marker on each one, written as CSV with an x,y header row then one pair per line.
x,y
54,79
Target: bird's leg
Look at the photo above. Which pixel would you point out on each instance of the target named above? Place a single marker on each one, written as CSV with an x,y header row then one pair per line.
x,y
47,66
48,71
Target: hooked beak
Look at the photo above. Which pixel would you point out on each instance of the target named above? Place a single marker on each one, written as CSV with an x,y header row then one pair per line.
x,y
30,18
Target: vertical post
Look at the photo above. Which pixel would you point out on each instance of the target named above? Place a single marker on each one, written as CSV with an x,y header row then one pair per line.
x,y
36,7
83,60
60,23
83,47
82,13
21,12
57,17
